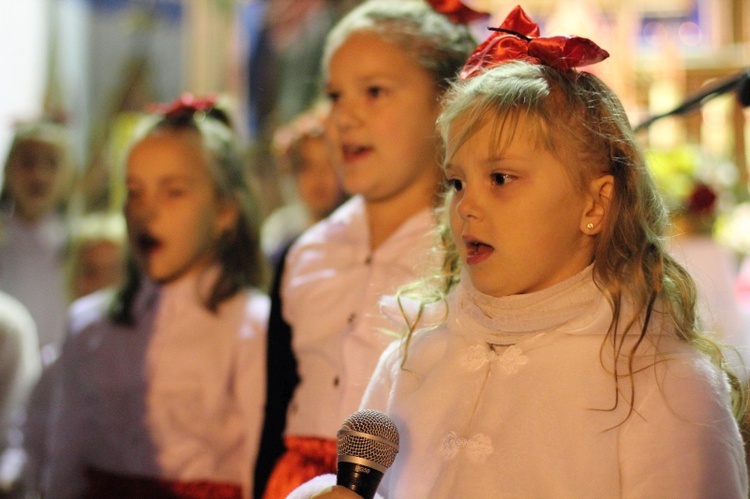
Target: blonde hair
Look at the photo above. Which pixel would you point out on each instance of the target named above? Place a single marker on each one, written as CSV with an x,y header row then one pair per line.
x,y
579,117
434,42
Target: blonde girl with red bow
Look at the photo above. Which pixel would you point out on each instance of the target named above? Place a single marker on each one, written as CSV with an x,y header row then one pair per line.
x,y
558,354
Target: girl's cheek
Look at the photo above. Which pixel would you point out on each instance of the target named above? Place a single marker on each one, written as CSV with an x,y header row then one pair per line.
x,y
130,214
62,188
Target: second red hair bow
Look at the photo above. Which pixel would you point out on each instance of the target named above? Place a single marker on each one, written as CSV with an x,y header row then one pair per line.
x,y
456,11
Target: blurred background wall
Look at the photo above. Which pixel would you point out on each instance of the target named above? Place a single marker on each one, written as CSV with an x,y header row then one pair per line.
x,y
92,63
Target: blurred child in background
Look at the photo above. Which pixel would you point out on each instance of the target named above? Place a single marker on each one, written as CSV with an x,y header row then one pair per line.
x,y
162,382
96,253
303,149
37,182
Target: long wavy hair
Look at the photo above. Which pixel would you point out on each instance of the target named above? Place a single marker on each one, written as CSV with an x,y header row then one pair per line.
x,y
579,118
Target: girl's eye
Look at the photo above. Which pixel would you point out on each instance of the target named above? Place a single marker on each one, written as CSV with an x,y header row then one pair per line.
x,y
375,91
133,194
176,193
52,164
501,178
455,184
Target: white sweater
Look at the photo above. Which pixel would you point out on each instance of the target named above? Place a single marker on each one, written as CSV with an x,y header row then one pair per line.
x,y
514,397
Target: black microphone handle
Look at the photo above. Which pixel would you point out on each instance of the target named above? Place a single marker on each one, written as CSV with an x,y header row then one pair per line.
x,y
361,479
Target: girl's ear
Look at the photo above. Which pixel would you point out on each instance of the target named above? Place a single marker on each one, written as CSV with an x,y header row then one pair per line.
x,y
598,199
227,217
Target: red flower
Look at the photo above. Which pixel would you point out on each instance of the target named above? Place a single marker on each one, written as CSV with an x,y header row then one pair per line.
x,y
456,11
517,39
702,199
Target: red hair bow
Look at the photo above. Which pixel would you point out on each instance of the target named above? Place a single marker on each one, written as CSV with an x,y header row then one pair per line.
x,y
456,11
185,105
517,39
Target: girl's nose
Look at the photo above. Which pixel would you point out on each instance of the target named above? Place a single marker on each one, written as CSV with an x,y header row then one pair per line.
x,y
345,114
40,169
467,205
141,211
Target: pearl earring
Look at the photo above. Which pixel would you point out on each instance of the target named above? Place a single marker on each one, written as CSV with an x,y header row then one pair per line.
x,y
589,226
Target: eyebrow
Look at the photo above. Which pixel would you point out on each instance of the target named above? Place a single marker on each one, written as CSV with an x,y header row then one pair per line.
x,y
374,75
448,167
488,161
182,178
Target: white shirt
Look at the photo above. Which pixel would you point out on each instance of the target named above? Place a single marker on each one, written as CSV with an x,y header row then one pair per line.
x,y
32,271
511,398
20,363
330,292
179,396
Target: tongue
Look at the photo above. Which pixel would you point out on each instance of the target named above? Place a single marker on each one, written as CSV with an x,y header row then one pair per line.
x,y
482,249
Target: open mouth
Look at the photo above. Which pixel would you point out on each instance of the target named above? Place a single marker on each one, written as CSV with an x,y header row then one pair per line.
x,y
354,152
38,189
147,244
476,251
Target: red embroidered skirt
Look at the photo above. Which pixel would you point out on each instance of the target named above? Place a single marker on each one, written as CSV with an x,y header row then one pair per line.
x,y
304,459
106,485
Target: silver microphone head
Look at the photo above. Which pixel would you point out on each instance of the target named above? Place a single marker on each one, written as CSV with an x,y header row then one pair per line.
x,y
369,438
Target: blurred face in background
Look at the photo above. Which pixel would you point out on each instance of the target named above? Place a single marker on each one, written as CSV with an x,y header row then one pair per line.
x,y
174,214
318,185
36,178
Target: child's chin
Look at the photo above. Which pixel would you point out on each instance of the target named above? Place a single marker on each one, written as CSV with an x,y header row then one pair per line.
x,y
166,277
34,208
155,274
163,278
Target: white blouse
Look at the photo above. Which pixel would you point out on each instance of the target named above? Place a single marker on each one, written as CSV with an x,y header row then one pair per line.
x,y
515,397
179,396
32,271
330,292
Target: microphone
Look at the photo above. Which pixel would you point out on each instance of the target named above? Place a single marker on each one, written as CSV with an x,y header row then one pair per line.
x,y
367,446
